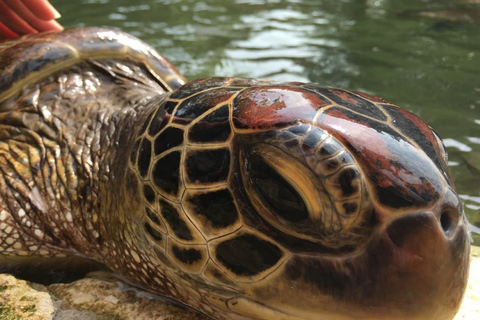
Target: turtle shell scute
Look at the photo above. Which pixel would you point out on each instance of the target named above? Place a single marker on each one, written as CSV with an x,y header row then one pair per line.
x,y
170,138
351,101
193,107
275,106
214,127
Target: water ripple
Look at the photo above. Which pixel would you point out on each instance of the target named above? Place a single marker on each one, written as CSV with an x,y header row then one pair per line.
x,y
452,143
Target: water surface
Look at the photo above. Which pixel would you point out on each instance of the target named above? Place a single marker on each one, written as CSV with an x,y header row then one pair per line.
x,y
422,55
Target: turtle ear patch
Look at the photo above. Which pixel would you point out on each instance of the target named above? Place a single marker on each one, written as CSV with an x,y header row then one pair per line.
x,y
216,208
195,106
208,166
213,212
247,255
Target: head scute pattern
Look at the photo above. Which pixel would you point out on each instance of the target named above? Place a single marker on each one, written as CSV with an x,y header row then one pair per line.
x,y
241,198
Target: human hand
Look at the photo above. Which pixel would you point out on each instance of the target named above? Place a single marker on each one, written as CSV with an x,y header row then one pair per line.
x,y
18,17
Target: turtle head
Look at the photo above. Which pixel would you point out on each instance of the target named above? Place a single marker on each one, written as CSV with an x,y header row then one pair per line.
x,y
293,201
356,191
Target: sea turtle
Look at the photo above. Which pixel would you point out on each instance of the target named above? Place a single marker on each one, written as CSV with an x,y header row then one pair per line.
x,y
241,198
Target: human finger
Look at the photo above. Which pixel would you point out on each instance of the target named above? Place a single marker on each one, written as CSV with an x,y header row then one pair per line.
x,y
43,9
13,21
28,15
6,33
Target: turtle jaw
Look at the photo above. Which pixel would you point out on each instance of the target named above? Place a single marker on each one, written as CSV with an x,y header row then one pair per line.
x,y
253,309
409,270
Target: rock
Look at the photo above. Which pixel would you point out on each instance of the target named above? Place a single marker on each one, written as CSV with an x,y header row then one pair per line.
x,y
21,300
102,297
85,299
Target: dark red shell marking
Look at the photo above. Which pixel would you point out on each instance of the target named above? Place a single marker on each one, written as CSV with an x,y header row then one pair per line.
x,y
264,107
401,175
419,131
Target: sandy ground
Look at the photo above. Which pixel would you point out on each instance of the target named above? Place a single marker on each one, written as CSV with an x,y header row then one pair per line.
x,y
470,309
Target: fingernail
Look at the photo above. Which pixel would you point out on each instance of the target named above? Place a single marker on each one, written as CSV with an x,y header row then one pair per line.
x,y
56,14
57,26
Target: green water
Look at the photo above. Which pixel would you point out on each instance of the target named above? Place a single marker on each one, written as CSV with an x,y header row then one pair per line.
x,y
422,55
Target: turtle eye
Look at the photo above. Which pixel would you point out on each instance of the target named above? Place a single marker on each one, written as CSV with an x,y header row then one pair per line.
x,y
276,191
283,191
291,197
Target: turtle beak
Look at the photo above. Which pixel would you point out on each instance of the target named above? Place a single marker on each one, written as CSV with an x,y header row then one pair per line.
x,y
423,236
431,237
427,255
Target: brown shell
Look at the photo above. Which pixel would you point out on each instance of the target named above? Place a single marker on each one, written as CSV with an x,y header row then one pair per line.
x,y
36,57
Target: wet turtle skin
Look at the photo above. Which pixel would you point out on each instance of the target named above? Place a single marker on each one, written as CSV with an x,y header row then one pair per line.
x,y
241,198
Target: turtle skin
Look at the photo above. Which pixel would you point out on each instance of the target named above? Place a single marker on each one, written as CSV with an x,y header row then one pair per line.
x,y
241,198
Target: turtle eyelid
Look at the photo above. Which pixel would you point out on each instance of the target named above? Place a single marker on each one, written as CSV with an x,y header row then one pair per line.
x,y
277,192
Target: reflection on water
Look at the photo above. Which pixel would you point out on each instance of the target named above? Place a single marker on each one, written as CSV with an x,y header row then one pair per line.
x,y
422,55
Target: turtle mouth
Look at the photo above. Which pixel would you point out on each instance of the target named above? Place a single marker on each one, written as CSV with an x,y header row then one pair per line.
x,y
256,310
251,309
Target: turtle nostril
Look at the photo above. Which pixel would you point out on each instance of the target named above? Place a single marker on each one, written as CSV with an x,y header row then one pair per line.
x,y
447,221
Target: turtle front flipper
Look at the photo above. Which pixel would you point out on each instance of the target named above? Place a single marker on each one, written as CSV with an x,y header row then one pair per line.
x,y
30,59
62,98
